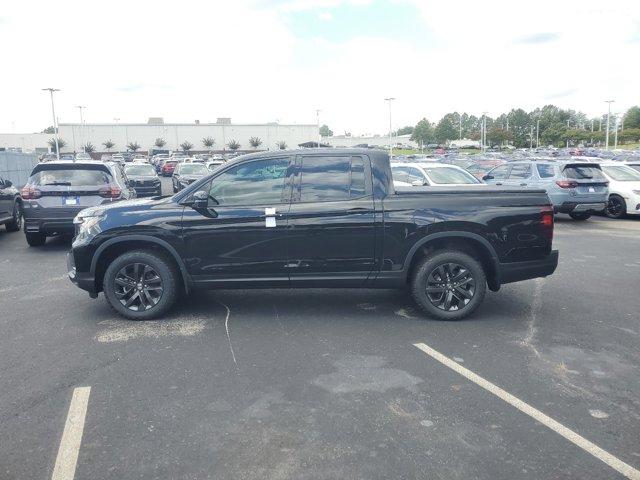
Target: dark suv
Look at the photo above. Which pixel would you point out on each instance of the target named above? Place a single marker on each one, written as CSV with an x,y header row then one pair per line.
x,y
57,191
187,173
144,179
10,206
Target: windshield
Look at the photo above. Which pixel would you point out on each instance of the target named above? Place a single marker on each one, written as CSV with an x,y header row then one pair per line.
x,y
193,169
583,172
622,173
140,170
448,175
71,177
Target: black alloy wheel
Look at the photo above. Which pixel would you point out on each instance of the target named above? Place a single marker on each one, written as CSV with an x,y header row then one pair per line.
x,y
450,286
138,287
16,222
616,207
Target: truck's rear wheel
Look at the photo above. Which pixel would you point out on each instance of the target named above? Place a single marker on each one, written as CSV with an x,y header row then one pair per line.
x,y
140,285
35,239
449,285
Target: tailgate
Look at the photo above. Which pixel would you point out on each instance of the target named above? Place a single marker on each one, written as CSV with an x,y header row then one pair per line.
x,y
589,178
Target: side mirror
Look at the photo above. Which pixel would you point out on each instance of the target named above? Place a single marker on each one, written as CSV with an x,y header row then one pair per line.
x,y
200,200
7,183
488,177
417,183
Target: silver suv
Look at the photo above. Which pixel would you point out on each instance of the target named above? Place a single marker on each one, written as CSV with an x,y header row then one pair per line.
x,y
576,188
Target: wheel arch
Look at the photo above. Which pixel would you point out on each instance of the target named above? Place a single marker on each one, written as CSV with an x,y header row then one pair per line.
x,y
467,242
116,246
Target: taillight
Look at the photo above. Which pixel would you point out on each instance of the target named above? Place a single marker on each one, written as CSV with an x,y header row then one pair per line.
x,y
110,191
567,183
30,193
546,221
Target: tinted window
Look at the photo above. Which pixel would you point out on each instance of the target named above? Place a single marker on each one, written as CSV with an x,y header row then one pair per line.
x,y
499,172
583,172
254,183
545,171
71,177
520,171
357,188
449,175
325,179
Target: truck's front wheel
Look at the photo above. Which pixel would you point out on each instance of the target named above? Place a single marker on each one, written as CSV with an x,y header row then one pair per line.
x,y
449,285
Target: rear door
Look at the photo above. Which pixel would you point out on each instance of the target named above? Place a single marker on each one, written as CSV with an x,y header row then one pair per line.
x,y
331,228
592,185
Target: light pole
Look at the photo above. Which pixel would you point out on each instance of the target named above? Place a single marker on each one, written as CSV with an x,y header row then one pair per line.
x,y
483,131
538,132
390,99
615,138
318,125
55,122
606,142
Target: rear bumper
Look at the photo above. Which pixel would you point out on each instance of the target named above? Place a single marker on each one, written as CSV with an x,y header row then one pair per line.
x,y
49,225
84,280
577,207
517,271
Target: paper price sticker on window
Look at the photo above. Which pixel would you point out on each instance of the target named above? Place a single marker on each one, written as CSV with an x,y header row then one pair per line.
x,y
270,218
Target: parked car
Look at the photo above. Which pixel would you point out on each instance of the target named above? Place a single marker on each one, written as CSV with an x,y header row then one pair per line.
x,y
214,164
57,191
313,218
81,156
624,189
144,179
117,158
167,168
576,188
432,173
10,206
187,173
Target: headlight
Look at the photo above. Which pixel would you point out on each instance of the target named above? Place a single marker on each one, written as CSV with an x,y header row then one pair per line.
x,y
87,225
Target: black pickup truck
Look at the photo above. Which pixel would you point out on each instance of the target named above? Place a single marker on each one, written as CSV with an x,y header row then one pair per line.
x,y
313,218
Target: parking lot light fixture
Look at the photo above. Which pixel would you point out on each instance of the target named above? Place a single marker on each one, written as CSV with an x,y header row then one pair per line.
x,y
606,142
390,99
55,122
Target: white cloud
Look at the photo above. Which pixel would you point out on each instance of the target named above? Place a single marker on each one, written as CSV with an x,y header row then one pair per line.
x,y
201,60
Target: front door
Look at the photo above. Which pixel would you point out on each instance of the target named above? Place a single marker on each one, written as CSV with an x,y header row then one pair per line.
x,y
331,223
241,237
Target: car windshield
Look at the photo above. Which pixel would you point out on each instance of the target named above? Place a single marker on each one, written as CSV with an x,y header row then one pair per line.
x,y
71,177
140,170
583,172
448,175
622,173
193,169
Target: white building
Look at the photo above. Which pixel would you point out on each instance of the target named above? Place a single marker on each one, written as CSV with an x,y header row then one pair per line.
x,y
375,141
77,135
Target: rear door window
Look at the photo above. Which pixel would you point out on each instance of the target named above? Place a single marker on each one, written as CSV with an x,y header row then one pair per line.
x,y
72,177
332,178
520,171
500,172
583,172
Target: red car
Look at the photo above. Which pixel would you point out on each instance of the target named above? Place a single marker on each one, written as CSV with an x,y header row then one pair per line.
x,y
168,167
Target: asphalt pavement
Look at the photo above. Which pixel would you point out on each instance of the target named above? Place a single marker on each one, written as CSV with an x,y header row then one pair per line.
x,y
326,384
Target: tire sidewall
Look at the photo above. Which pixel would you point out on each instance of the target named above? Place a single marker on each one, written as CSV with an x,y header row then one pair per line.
x,y
623,204
164,270
419,283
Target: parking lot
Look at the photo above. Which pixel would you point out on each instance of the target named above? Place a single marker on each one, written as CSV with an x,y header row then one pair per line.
x,y
327,383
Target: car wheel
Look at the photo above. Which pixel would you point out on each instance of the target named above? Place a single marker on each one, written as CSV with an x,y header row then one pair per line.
x,y
449,285
35,239
140,285
16,222
616,207
580,216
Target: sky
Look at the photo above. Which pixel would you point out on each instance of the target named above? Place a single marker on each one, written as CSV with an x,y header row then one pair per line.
x,y
260,61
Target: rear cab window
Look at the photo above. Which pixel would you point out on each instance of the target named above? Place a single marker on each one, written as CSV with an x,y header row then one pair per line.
x,y
332,178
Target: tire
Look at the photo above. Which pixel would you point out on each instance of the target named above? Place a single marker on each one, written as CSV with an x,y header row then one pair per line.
x,y
16,223
35,239
580,216
616,207
153,270
436,267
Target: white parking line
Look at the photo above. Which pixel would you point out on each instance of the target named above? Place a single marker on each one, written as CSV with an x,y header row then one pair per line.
x,y
602,455
65,467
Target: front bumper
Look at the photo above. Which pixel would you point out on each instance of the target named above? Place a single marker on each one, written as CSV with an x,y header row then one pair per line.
x,y
84,280
148,191
517,271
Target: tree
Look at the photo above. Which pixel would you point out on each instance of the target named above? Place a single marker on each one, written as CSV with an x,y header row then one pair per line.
x,y
233,145
282,145
52,144
133,146
88,147
160,142
186,146
408,130
255,142
49,130
325,131
108,145
208,142
632,118
445,130
422,132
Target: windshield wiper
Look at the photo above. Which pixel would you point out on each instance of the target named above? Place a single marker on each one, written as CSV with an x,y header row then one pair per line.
x,y
59,184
